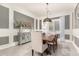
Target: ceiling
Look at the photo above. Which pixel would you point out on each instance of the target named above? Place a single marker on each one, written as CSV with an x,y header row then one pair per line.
x,y
39,9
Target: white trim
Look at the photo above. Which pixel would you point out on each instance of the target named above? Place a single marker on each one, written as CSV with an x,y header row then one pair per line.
x,y
77,49
7,46
67,31
71,27
4,32
76,33
75,46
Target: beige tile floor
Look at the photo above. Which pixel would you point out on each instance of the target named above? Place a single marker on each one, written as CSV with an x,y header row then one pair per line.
x,y
16,50
64,49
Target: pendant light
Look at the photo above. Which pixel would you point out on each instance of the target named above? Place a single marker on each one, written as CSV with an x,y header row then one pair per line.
x,y
47,19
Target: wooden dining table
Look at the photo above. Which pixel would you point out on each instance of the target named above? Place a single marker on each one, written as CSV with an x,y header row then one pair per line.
x,y
47,40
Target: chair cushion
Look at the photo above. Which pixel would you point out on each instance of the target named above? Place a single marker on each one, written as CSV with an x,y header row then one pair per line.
x,y
51,43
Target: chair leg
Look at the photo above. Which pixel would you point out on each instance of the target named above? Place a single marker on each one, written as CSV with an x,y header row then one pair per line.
x,y
54,48
32,52
41,54
49,48
56,45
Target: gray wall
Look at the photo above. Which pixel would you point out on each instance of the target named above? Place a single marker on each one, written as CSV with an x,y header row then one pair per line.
x,y
21,17
67,22
4,17
4,23
4,40
67,36
16,37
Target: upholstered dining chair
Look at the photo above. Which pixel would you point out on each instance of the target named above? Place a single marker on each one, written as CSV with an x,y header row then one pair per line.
x,y
56,40
53,43
37,42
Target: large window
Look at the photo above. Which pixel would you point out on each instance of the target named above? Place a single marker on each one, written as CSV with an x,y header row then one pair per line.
x,y
36,24
40,24
53,26
57,25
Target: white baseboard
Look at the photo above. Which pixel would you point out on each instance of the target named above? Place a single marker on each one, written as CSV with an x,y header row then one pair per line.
x,y
77,48
7,45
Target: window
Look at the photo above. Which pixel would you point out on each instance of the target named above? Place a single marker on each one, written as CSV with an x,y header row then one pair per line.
x,y
53,26
40,24
57,26
36,24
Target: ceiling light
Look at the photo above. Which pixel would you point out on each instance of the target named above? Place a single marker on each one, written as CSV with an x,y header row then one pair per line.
x,y
47,19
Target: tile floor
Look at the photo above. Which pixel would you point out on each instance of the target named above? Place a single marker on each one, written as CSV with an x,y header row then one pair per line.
x,y
64,49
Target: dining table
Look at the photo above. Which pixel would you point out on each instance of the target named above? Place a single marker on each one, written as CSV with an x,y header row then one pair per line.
x,y
51,41
48,39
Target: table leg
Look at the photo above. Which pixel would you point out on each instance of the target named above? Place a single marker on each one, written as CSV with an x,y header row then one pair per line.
x,y
32,52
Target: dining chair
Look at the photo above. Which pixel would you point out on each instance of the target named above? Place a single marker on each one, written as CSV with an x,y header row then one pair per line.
x,y
56,40
37,42
53,43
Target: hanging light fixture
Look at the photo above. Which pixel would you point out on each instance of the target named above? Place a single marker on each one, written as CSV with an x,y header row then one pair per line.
x,y
47,19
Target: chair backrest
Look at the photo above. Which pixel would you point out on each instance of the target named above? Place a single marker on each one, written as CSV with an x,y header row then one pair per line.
x,y
56,35
56,38
37,42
